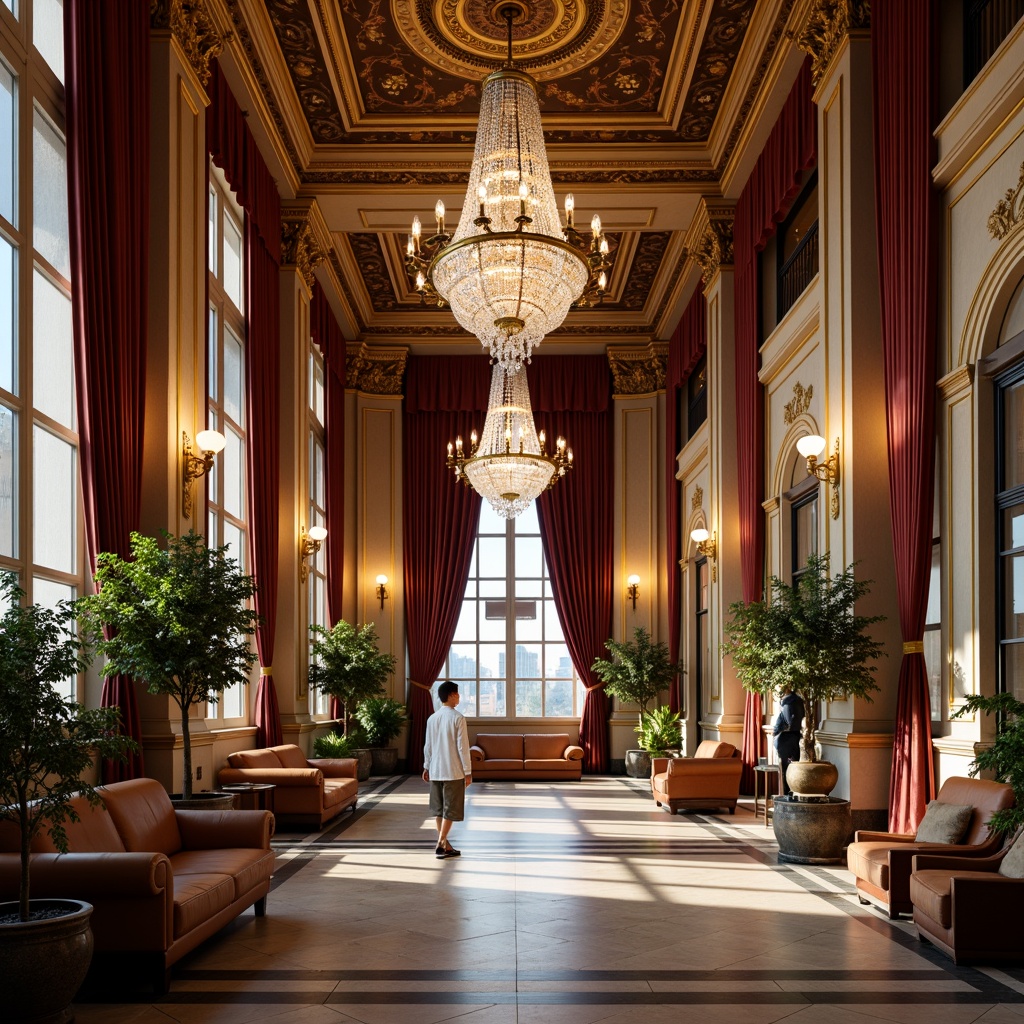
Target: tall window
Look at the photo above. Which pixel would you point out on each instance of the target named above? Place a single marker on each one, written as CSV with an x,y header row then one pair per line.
x,y
509,655
40,524
697,397
226,412
1010,510
702,634
316,584
804,524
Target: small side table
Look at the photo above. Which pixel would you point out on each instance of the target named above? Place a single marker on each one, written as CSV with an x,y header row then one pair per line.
x,y
763,771
252,796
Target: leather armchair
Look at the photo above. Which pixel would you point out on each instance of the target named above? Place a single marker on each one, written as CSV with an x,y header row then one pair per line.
x,y
708,780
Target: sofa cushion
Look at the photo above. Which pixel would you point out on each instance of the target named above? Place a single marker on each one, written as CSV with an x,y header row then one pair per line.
x,y
929,891
500,747
545,746
94,832
246,867
339,791
255,759
500,764
714,748
1012,864
290,756
870,861
197,897
143,815
555,765
944,823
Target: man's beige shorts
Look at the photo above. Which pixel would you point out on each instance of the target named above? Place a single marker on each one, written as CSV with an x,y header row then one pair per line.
x,y
448,799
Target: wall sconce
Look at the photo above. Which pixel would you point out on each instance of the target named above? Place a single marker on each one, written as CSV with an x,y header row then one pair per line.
x,y
309,545
382,589
633,588
707,546
209,443
810,447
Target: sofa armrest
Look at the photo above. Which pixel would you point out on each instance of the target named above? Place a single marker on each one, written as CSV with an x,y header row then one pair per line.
x,y
573,753
335,767
936,860
477,754
277,776
218,830
867,836
89,876
659,765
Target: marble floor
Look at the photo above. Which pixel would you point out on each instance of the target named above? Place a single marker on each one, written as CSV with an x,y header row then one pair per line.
x,y
571,903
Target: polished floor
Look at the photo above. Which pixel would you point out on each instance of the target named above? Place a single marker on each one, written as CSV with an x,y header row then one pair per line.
x,y
571,903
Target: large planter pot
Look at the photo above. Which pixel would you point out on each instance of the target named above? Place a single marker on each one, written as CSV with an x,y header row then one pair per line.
x,y
364,762
212,801
43,963
383,760
638,764
811,831
812,778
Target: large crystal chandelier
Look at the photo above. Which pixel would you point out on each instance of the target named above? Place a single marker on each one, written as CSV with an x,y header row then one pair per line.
x,y
509,465
510,272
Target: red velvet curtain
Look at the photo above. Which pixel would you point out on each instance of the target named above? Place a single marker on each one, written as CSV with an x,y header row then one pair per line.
x,y
571,396
445,396
234,150
903,72
107,96
327,334
762,205
687,346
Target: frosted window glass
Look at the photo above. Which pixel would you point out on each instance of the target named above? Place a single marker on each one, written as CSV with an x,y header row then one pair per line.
x,y
53,352
212,374
48,33
50,196
8,167
233,401
8,313
54,474
231,463
235,541
8,482
211,231
49,594
233,263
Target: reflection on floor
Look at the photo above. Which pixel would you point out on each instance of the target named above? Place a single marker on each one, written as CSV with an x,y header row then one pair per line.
x,y
571,903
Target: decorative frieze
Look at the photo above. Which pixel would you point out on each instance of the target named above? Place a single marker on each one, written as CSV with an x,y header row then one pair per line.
x,y
299,246
190,23
376,371
799,404
1009,211
828,23
638,371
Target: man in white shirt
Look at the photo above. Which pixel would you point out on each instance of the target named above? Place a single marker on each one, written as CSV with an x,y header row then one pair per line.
x,y
447,766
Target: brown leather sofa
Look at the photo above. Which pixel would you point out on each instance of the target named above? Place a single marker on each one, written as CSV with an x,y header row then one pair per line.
x,y
160,880
527,756
966,908
308,793
707,781
882,861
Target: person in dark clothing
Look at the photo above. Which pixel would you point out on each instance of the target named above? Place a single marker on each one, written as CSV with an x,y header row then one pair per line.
x,y
788,724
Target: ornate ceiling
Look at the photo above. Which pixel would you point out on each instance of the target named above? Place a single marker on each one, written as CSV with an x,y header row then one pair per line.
x,y
373,107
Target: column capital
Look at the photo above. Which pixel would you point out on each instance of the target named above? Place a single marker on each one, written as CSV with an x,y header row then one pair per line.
x,y
826,27
303,239
375,371
190,23
709,242
638,370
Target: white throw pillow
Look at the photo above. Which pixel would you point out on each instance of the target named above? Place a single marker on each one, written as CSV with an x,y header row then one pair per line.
x,y
1012,864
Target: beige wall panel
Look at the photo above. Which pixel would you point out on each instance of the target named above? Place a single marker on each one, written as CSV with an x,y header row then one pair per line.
x,y
637,495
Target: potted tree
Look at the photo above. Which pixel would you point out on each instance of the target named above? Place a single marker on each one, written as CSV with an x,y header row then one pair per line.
x,y
48,743
808,637
178,617
637,673
381,719
348,665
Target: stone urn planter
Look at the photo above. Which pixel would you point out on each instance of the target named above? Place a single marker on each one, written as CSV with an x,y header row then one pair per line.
x,y
638,764
811,831
364,762
812,778
384,760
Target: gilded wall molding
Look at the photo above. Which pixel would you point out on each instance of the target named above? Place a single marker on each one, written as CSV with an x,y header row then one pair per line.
x,y
1009,211
828,23
638,371
799,404
698,498
956,381
375,371
300,247
190,22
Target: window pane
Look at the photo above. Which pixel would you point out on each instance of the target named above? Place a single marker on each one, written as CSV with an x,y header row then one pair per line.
x,y
49,594
50,196
492,698
558,698
557,663
53,352
233,262
805,533
527,521
1013,676
54,475
231,465
933,662
8,313
48,33
492,625
8,482
232,376
529,557
934,614
1013,527
466,628
231,702
492,661
462,662
212,360
317,392
492,557
528,698
211,231
528,661
552,627
528,628
235,541
8,149
490,521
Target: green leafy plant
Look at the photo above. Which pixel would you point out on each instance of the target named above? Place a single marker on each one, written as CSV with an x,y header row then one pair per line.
x,y
661,731
1005,757
348,665
382,719
637,673
47,741
178,618
333,744
809,638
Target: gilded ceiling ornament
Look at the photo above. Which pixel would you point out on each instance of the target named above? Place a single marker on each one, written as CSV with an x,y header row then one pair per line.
x,y
299,247
828,24
376,371
190,23
698,498
799,404
1009,211
638,371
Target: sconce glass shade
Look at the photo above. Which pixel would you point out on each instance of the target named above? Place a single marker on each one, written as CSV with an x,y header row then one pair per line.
x,y
382,580
810,446
317,533
210,441
699,535
633,580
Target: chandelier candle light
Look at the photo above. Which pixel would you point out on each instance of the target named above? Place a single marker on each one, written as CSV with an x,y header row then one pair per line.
x,y
510,272
509,465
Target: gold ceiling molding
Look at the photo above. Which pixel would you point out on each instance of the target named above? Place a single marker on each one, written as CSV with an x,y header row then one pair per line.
x,y
190,22
300,247
375,371
799,404
1009,211
828,23
698,498
638,371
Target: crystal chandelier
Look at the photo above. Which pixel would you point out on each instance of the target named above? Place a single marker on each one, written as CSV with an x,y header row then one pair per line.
x,y
510,272
509,465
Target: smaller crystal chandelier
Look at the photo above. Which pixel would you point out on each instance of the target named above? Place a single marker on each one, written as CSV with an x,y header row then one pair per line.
x,y
509,465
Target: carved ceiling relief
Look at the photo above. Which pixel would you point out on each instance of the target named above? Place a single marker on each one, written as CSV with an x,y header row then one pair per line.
x,y
638,371
190,23
299,247
828,24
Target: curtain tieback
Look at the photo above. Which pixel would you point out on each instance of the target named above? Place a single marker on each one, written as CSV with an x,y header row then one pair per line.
x,y
913,647
596,686
268,671
420,685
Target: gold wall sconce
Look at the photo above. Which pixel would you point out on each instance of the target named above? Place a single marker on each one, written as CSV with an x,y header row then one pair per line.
x,y
633,588
707,547
810,447
309,545
208,443
382,590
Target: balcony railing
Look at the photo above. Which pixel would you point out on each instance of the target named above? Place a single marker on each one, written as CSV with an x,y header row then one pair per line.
x,y
798,271
986,24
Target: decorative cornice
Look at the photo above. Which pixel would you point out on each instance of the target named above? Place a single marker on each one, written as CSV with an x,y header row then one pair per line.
x,y
1009,211
375,371
799,404
714,249
956,381
190,23
698,498
300,247
638,371
828,23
